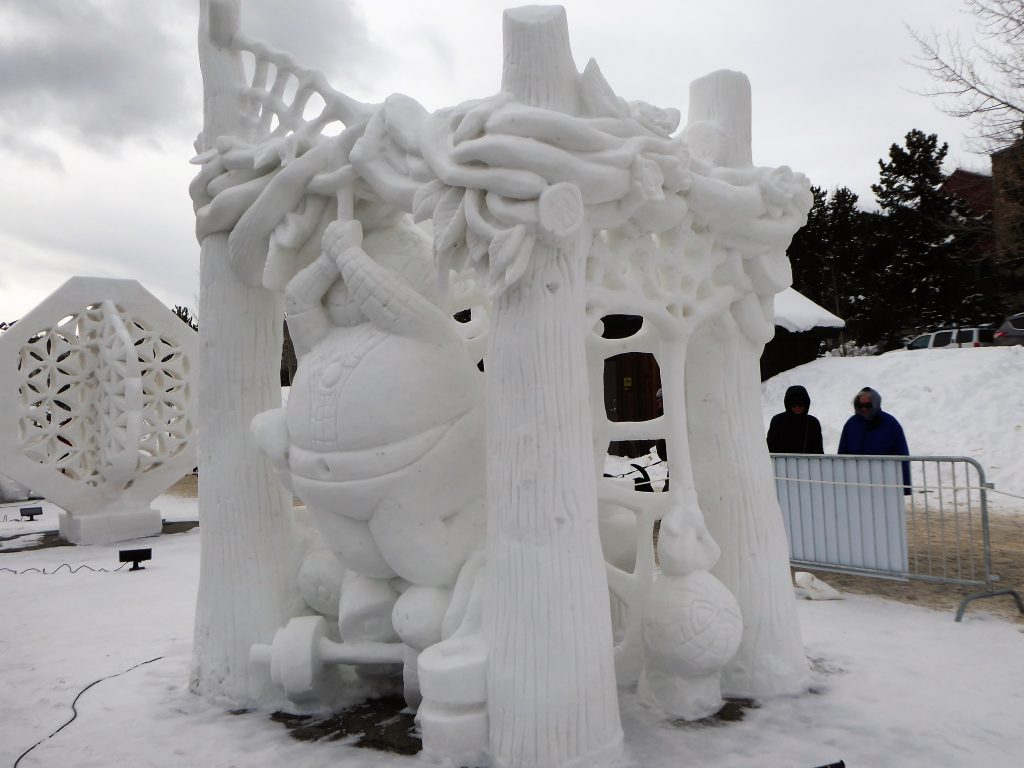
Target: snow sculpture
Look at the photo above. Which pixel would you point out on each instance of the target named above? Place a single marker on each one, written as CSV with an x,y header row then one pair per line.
x,y
13,491
103,422
692,272
390,465
732,477
561,203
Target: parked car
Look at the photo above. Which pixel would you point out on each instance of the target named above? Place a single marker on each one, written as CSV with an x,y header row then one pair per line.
x,y
1011,331
955,337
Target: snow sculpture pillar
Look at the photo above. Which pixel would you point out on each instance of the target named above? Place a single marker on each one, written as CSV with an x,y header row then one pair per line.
x,y
551,681
732,472
102,406
247,570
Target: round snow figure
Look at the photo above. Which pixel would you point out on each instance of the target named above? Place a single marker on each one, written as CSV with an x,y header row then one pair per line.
x,y
691,628
382,436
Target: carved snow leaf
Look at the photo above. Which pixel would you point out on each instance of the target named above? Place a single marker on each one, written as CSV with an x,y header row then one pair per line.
x,y
508,257
426,199
449,220
597,96
477,245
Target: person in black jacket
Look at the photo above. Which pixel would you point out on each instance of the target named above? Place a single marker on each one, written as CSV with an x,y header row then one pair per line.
x,y
794,430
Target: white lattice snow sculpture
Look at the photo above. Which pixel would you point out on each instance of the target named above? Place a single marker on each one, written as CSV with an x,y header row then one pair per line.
x,y
99,419
13,491
567,204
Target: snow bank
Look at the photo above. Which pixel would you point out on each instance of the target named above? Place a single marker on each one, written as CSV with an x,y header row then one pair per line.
x,y
951,402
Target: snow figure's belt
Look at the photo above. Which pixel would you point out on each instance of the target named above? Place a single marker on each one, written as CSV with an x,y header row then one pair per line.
x,y
367,463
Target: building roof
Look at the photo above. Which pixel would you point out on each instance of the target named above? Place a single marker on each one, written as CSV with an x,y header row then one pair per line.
x,y
796,313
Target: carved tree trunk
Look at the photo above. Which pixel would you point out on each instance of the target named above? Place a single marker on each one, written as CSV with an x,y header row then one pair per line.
x,y
733,474
737,493
551,682
246,572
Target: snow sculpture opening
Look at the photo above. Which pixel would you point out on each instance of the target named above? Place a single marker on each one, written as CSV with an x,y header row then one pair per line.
x,y
103,423
461,538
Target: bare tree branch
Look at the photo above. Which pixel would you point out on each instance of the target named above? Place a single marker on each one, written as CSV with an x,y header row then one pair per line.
x,y
981,80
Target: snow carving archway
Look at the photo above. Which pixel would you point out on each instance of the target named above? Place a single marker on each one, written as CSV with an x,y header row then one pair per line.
x,y
100,372
553,204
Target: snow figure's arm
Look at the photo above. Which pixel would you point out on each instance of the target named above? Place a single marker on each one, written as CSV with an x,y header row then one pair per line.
x,y
249,242
308,321
270,430
384,297
269,196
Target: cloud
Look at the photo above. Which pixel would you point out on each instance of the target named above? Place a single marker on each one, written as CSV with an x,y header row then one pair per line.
x,y
96,71
327,35
105,72
31,152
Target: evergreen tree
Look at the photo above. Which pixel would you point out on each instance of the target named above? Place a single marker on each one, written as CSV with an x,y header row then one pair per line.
x,y
807,248
924,268
186,316
830,256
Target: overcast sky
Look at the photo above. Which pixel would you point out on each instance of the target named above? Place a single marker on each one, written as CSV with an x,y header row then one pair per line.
x,y
100,101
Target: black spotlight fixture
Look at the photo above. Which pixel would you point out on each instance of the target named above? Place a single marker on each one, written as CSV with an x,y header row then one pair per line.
x,y
31,512
135,556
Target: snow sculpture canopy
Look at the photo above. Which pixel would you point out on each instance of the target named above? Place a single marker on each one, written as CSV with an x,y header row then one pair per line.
x,y
553,204
103,420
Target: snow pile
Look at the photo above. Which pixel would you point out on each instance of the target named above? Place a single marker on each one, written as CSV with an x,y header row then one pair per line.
x,y
951,402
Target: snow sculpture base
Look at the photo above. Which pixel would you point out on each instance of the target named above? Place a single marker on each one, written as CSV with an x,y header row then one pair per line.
x,y
453,715
106,526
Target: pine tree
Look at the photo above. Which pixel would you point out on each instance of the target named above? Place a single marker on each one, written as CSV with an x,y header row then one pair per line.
x,y
924,268
806,250
832,257
186,316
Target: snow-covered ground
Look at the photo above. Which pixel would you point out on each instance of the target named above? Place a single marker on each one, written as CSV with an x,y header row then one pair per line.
x,y
892,684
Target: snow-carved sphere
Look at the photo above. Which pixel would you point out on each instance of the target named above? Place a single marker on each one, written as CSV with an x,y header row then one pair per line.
x,y
320,580
692,625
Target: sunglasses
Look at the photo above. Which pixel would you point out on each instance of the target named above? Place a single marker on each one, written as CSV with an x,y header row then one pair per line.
x,y
865,405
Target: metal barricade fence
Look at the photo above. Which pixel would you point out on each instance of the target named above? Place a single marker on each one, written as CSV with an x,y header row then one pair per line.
x,y
854,514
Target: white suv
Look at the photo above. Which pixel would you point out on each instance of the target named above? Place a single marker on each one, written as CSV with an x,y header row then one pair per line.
x,y
954,337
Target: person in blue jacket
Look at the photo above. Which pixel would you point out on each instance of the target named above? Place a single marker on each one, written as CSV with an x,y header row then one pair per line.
x,y
873,432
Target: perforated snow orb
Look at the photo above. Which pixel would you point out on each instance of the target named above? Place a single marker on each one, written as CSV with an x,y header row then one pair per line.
x,y
692,625
98,408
